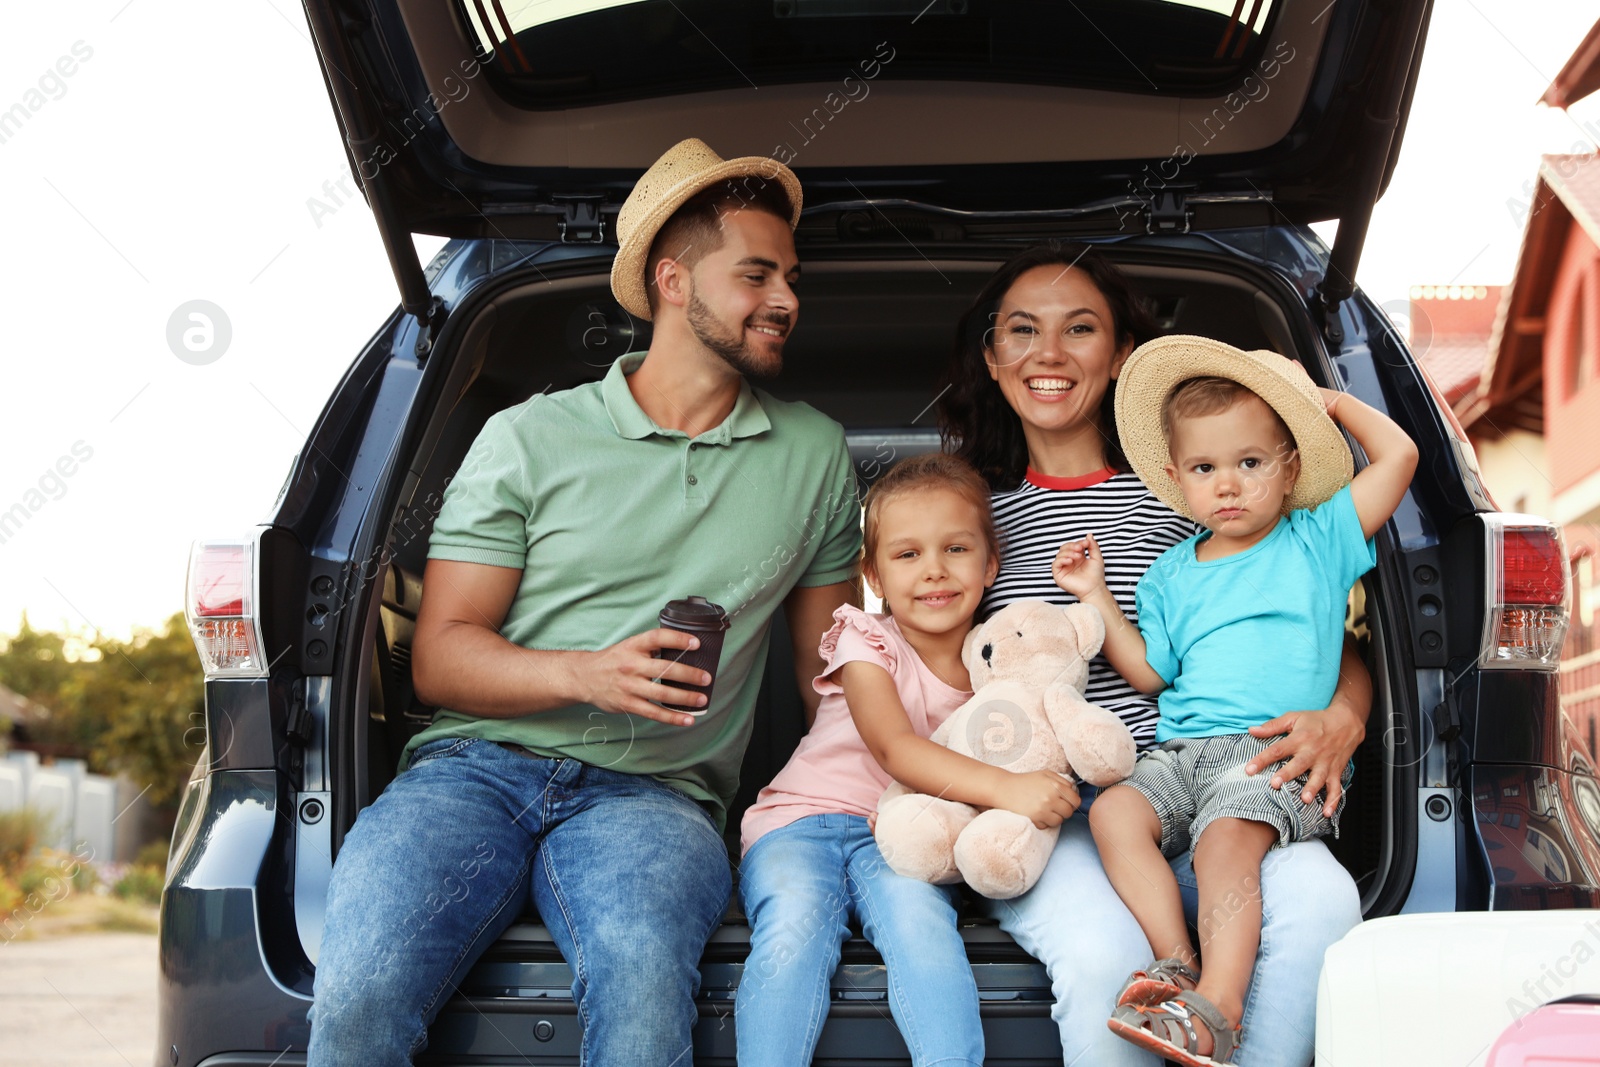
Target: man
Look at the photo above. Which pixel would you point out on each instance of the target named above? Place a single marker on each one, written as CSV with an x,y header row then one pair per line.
x,y
556,778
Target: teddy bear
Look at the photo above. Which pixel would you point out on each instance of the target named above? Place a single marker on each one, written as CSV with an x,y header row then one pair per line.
x,y
1029,665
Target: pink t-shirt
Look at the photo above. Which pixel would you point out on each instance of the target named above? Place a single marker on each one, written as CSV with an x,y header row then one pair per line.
x,y
832,771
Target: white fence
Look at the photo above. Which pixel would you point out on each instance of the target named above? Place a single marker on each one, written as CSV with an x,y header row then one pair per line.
x,y
107,814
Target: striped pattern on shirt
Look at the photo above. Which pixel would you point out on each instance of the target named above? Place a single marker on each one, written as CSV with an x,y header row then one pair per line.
x,y
1132,528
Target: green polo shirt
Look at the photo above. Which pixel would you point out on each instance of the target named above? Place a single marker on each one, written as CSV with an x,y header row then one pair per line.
x,y
609,516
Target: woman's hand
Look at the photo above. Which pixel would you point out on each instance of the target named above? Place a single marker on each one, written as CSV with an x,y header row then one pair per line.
x,y
1317,744
1079,568
1045,797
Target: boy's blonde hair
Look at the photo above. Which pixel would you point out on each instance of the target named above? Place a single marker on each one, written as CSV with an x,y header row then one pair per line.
x,y
1197,397
934,470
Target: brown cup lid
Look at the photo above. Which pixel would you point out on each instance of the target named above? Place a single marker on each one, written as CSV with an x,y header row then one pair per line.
x,y
694,613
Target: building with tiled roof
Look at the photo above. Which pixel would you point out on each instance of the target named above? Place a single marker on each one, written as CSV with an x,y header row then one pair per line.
x,y
1542,371
1449,333
1533,413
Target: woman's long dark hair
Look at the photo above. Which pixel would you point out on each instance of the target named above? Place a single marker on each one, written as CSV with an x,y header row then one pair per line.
x,y
975,421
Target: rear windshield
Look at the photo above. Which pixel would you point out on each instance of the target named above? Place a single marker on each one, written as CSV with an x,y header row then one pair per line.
x,y
567,53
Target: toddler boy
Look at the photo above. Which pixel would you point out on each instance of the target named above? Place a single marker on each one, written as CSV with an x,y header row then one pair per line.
x,y
1236,625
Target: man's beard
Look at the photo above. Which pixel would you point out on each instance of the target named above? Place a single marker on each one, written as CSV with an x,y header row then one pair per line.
x,y
731,345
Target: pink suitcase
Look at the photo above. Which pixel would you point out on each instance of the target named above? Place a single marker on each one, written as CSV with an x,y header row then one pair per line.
x,y
1563,1032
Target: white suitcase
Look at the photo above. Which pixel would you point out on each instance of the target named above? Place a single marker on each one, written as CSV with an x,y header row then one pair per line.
x,y
1437,990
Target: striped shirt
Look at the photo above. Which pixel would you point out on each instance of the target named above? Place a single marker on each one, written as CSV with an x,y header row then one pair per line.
x,y
1132,528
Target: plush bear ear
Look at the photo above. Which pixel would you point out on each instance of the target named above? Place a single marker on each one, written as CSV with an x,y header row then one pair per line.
x,y
1090,627
968,644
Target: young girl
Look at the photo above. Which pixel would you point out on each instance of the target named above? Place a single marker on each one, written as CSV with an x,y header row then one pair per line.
x,y
810,862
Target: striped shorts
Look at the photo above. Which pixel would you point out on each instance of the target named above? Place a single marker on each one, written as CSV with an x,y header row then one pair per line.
x,y
1191,781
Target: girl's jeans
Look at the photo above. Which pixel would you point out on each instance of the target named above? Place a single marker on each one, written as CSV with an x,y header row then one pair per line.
x,y
629,875
800,885
1077,926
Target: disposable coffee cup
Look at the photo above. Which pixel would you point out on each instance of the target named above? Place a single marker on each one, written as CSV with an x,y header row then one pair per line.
x,y
707,621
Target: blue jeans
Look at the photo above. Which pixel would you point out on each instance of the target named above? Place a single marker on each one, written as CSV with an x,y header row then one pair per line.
x,y
629,875
1074,923
800,884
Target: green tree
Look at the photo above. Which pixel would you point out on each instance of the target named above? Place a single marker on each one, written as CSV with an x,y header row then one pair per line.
x,y
134,706
36,664
150,694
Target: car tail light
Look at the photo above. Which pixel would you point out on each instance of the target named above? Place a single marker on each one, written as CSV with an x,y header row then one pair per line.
x,y
221,605
1529,593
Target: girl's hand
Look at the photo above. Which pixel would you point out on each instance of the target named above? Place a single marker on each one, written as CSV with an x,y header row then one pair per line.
x,y
1045,797
1330,400
1079,568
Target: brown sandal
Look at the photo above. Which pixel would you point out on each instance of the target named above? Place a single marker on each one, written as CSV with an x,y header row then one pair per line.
x,y
1157,982
1160,1027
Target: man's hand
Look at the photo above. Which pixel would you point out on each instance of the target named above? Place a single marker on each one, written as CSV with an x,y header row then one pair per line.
x,y
1317,744
627,677
1079,568
1045,797
462,662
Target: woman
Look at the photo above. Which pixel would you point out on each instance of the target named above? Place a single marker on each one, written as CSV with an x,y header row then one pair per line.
x,y
1029,403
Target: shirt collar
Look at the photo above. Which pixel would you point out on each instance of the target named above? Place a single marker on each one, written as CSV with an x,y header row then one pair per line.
x,y
1081,481
747,418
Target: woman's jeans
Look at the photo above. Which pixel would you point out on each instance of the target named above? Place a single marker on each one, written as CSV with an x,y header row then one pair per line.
x,y
800,884
629,875
1077,926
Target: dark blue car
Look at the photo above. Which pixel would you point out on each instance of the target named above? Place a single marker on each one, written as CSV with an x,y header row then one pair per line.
x,y
934,138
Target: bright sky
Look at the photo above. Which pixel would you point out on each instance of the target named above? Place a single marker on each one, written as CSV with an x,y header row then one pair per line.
x,y
175,161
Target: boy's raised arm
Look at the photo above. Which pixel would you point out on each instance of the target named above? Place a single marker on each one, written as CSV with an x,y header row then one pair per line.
x,y
1378,489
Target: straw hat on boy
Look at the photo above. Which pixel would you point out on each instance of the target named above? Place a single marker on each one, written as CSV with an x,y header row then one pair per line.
x,y
1158,367
687,168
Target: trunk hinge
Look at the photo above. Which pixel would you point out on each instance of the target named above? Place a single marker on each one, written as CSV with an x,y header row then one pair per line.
x,y
1168,213
581,222
428,325
297,727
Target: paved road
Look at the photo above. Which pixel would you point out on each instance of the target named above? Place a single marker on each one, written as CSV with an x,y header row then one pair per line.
x,y
82,1001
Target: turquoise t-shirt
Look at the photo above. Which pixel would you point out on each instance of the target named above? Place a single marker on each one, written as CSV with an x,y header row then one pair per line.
x,y
1243,639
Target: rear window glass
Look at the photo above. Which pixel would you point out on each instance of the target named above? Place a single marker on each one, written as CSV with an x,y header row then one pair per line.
x,y
567,53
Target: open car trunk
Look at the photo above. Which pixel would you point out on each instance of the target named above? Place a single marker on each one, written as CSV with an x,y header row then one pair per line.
x,y
1169,115
872,341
